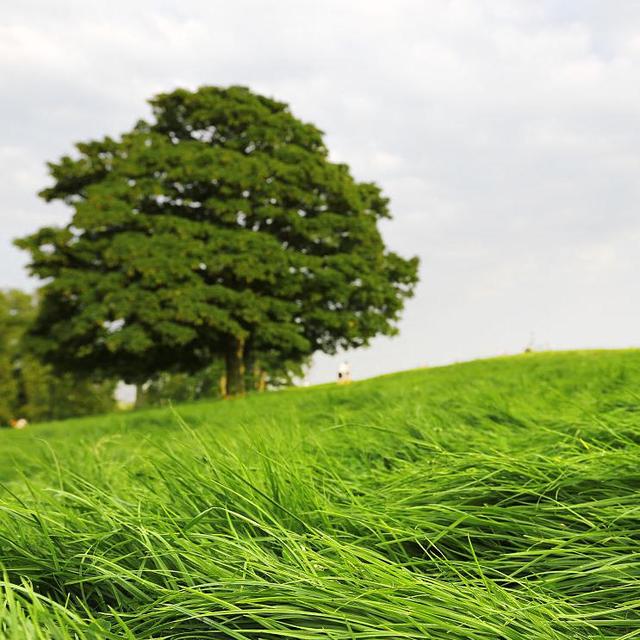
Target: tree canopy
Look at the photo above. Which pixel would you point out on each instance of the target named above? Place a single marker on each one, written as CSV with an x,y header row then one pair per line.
x,y
219,228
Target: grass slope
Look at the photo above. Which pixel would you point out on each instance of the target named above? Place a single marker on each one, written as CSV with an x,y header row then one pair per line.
x,y
493,499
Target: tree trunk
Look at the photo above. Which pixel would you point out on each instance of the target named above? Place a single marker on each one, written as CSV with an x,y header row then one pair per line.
x,y
139,401
262,380
234,359
249,366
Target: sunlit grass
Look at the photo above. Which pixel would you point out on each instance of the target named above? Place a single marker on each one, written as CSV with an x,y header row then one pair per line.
x,y
494,499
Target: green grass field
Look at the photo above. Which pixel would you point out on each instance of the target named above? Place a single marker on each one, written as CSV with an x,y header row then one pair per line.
x,y
493,499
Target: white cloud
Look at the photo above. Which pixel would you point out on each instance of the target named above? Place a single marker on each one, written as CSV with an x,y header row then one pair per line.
x,y
506,134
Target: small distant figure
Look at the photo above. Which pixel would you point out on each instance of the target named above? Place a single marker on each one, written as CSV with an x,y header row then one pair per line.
x,y
20,423
344,373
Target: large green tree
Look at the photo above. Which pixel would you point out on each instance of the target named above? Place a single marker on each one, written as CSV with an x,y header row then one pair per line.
x,y
218,228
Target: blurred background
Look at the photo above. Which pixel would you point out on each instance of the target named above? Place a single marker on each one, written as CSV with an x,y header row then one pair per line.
x,y
505,133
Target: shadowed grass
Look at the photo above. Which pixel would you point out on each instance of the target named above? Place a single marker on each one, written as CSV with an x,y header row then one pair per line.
x,y
493,499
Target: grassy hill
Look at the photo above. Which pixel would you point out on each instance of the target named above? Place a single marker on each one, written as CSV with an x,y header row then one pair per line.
x,y
492,499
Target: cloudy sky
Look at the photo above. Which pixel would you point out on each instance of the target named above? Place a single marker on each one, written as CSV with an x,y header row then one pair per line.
x,y
506,133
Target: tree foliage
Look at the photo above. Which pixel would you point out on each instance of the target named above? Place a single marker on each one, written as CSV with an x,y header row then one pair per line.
x,y
219,228
167,387
15,311
30,388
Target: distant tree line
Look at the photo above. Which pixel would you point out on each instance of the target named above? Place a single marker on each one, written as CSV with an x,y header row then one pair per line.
x,y
216,242
33,389
29,387
210,382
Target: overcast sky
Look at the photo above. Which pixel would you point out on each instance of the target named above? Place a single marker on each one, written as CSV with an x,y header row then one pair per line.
x,y
506,133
